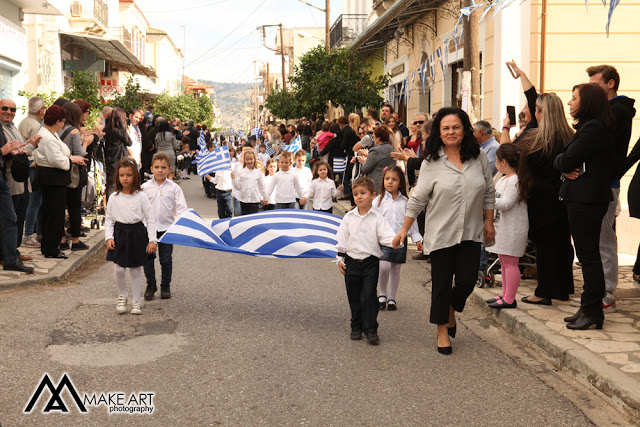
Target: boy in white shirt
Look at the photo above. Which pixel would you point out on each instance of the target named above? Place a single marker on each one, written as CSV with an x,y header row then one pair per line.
x,y
167,201
263,156
286,184
224,186
359,237
305,176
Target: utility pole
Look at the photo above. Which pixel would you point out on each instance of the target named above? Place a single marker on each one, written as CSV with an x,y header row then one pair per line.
x,y
184,49
327,25
471,63
284,80
327,21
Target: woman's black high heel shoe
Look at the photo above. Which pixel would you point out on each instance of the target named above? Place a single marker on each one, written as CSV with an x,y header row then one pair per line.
x,y
584,321
444,350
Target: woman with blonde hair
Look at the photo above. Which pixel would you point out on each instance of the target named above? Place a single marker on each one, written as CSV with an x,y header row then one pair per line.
x,y
540,143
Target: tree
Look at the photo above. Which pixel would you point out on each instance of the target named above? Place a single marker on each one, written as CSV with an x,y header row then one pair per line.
x,y
133,97
342,78
186,107
84,86
284,104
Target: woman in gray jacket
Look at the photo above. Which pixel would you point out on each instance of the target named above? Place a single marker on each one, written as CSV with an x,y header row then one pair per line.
x,y
379,156
166,143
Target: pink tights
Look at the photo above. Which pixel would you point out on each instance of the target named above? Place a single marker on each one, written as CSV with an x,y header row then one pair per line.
x,y
510,277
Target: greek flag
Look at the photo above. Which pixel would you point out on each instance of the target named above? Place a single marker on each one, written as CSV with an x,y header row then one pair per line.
x,y
217,160
339,164
294,146
270,150
200,155
283,233
256,132
201,141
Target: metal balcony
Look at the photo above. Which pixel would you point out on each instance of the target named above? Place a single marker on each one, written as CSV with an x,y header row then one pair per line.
x,y
346,28
96,9
123,36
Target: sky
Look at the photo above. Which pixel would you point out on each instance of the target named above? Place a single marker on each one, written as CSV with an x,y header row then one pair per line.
x,y
220,38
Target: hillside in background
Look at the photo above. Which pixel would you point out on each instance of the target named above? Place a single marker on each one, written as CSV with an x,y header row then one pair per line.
x,y
231,99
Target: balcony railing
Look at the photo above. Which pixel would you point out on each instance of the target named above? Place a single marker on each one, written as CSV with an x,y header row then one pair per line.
x,y
123,36
346,28
90,9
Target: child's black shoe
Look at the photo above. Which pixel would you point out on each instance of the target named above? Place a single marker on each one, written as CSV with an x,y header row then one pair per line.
x,y
372,338
356,334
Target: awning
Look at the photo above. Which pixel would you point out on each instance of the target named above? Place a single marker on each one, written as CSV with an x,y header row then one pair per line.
x,y
108,49
381,31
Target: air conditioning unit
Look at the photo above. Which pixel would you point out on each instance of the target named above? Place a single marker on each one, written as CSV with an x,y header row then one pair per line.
x,y
76,9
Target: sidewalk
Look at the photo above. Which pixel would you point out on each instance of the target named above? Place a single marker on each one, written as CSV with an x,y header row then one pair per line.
x,y
608,359
49,269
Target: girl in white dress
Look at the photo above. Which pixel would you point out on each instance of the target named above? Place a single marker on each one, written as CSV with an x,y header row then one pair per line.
x,y
511,224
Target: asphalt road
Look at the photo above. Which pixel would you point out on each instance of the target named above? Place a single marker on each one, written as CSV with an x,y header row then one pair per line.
x,y
250,341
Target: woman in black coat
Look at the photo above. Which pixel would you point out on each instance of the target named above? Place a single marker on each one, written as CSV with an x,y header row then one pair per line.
x,y
634,197
591,151
116,146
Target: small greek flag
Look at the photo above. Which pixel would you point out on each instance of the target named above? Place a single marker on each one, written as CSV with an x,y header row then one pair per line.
x,y
270,150
294,146
233,132
201,141
217,160
256,132
200,155
339,164
284,233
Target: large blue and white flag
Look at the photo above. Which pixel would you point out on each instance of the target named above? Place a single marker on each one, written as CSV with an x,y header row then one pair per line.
x,y
295,145
216,160
282,233
339,164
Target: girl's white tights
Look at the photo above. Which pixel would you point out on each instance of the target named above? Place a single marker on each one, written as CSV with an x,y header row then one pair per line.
x,y
136,281
389,274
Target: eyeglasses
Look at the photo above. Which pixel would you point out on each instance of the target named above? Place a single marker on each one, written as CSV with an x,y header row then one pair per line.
x,y
418,122
5,108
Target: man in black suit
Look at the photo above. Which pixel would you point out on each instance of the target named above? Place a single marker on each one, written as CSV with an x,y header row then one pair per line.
x,y
8,218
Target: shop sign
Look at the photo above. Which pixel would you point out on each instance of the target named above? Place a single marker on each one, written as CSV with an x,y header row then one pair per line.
x,y
13,40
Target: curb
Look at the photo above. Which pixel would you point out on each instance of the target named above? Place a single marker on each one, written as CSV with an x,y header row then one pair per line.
x,y
587,367
63,269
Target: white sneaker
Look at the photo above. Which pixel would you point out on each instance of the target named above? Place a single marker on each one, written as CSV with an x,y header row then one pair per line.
x,y
31,242
609,303
135,308
121,308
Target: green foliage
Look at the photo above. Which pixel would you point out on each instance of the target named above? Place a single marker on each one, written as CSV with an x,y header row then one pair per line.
x,y
84,86
132,97
342,78
284,104
48,98
186,107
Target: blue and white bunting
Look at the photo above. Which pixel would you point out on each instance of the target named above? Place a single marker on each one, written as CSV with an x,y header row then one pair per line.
x,y
282,233
339,164
216,160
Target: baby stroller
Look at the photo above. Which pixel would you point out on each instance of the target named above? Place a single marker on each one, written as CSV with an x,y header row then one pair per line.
x,y
527,265
92,196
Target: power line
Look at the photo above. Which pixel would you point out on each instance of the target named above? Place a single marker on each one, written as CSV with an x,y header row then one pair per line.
x,y
232,31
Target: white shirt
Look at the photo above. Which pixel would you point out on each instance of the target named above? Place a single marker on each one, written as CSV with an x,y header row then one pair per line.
x,y
394,212
264,157
249,184
222,180
287,186
272,197
129,209
136,144
235,167
322,191
360,236
305,176
167,201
